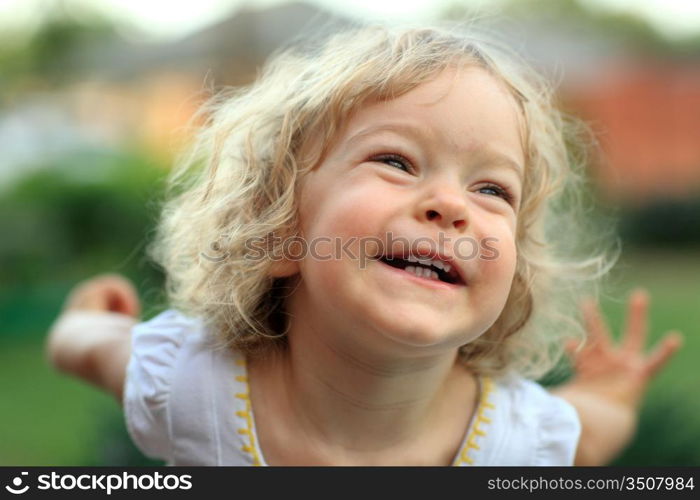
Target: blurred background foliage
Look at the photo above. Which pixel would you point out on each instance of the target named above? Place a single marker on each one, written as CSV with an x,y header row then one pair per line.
x,y
46,55
89,124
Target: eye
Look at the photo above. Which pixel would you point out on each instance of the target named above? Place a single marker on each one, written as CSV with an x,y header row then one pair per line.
x,y
498,191
394,160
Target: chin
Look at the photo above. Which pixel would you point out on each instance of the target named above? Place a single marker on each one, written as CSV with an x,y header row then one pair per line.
x,y
419,331
415,331
418,339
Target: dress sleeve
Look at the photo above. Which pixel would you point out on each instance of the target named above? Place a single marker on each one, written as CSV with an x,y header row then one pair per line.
x,y
155,348
559,431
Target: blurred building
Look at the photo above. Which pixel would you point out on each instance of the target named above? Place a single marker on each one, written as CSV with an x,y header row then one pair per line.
x,y
647,116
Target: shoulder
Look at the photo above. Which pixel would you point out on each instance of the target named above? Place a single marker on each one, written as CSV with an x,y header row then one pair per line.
x,y
535,427
170,328
158,347
168,383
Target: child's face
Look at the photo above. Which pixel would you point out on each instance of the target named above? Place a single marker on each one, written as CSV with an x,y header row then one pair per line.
x,y
426,167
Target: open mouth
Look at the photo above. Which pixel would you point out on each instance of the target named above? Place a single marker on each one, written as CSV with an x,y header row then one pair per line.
x,y
425,268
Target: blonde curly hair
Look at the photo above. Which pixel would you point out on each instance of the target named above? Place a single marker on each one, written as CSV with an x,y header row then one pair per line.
x,y
239,183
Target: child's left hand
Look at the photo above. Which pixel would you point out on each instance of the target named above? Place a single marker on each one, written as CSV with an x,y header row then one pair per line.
x,y
610,380
621,372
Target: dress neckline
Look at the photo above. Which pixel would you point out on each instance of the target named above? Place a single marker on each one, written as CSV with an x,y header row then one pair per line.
x,y
250,444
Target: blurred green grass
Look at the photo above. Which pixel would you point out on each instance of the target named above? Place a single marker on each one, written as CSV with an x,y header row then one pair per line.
x,y
49,419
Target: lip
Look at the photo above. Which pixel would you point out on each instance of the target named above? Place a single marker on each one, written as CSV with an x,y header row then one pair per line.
x,y
426,282
423,253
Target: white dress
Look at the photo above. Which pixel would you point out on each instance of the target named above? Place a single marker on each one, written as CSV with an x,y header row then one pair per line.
x,y
187,404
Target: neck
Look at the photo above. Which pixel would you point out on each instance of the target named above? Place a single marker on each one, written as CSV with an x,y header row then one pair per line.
x,y
353,403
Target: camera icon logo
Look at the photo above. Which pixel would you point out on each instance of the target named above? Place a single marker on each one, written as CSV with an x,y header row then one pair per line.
x,y
17,483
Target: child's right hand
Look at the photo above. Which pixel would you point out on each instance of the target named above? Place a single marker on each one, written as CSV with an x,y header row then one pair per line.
x,y
91,338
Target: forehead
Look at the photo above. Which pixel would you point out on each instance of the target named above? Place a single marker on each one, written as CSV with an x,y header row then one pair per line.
x,y
462,107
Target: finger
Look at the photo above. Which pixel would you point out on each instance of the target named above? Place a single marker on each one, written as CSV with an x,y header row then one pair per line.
x,y
570,345
120,295
576,351
571,348
663,352
107,292
598,331
85,296
635,332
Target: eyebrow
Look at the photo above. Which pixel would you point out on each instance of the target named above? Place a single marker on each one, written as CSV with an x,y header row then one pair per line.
x,y
400,128
501,160
489,154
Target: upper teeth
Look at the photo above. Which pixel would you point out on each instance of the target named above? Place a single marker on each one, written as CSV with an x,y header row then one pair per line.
x,y
431,262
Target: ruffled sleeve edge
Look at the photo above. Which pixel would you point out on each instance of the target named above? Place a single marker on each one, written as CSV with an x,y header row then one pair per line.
x,y
559,432
156,345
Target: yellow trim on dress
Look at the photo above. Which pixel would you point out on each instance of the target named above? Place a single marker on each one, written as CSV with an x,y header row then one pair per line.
x,y
247,417
487,387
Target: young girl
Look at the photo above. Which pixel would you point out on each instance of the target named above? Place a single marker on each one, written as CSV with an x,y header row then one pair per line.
x,y
367,261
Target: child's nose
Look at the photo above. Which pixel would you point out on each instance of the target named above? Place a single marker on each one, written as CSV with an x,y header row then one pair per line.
x,y
446,207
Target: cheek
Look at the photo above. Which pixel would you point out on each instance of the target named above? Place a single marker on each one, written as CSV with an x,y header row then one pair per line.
x,y
341,230
494,245
498,262
322,275
334,286
354,209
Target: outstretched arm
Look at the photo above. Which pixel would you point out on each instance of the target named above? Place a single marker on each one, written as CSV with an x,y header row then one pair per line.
x,y
91,338
610,380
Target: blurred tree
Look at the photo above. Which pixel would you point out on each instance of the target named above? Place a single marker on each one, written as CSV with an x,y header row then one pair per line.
x,y
84,205
46,55
84,214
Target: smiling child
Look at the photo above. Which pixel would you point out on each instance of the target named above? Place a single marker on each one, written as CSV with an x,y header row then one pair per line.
x,y
405,149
